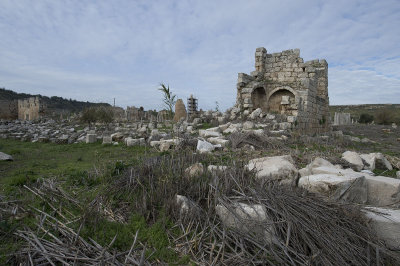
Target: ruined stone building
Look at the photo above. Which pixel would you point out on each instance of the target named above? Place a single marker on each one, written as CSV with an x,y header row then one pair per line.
x,y
341,119
192,106
134,114
31,108
283,83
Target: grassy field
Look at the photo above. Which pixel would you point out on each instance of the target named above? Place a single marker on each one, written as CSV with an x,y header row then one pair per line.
x,y
44,160
82,170
108,193
371,109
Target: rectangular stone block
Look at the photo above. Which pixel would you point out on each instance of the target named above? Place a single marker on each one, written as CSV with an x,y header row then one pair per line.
x,y
107,140
91,138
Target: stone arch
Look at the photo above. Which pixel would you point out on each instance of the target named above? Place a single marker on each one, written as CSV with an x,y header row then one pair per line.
x,y
259,99
282,100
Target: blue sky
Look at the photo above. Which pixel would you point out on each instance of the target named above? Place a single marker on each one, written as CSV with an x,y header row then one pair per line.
x,y
98,50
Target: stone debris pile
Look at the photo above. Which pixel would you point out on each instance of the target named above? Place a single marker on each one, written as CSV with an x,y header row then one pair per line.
x,y
380,195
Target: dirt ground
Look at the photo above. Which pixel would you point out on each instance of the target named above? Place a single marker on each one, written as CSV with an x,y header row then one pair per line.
x,y
387,137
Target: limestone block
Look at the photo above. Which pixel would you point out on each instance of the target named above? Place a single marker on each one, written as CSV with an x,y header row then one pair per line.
x,y
335,170
386,223
344,188
376,160
107,140
132,142
164,146
155,143
382,190
274,168
247,219
218,140
91,138
285,125
317,162
118,136
248,125
208,133
186,206
258,132
204,146
224,126
256,113
5,157
247,90
354,159
194,170
291,119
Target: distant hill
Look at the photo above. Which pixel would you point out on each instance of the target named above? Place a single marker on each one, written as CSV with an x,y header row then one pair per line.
x,y
53,104
372,109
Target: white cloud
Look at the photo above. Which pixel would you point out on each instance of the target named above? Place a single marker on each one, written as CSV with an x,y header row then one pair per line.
x,y
101,50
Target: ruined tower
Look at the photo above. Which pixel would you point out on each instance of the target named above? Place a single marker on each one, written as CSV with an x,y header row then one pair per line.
x,y
192,105
283,83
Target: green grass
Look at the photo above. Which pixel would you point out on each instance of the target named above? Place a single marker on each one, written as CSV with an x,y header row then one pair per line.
x,y
86,170
388,173
43,160
206,126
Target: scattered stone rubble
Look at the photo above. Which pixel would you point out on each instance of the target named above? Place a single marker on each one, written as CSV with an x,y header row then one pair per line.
x,y
352,185
379,195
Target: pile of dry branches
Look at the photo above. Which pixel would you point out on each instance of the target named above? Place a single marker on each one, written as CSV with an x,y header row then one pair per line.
x,y
305,229
55,240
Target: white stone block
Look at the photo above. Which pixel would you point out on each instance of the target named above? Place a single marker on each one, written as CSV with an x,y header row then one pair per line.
x,y
386,223
383,190
91,138
274,168
341,188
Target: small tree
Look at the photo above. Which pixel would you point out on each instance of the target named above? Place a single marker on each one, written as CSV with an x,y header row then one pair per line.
x,y
169,99
384,117
97,114
89,115
366,118
104,114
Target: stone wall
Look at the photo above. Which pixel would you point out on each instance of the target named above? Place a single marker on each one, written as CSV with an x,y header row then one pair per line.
x,y
8,109
283,83
342,119
30,109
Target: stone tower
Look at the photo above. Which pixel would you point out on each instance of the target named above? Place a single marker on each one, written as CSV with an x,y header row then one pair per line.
x,y
283,83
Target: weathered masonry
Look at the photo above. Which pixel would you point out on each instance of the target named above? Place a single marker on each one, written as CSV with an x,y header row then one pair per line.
x,y
283,83
30,109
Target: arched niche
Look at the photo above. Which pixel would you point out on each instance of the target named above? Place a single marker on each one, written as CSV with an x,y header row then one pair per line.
x,y
259,99
282,101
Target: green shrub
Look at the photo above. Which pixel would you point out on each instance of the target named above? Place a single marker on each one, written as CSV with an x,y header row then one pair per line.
x,y
97,114
366,118
385,117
